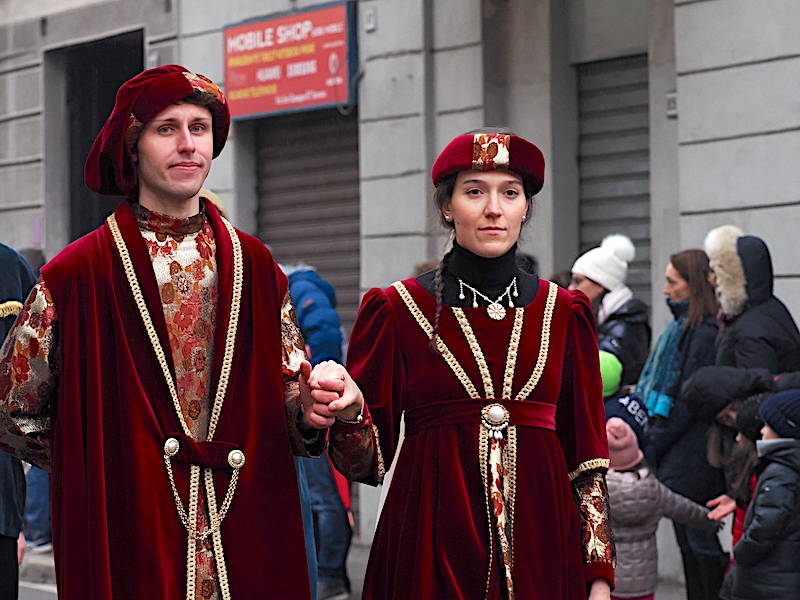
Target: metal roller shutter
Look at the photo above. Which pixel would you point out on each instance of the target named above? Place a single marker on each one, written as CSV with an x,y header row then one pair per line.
x,y
614,159
308,196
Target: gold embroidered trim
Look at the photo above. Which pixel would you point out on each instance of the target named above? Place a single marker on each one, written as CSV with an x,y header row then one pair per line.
x,y
379,454
544,345
190,521
480,359
426,326
589,465
10,309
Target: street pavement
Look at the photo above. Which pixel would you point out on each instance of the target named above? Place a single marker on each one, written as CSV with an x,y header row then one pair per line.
x,y
356,564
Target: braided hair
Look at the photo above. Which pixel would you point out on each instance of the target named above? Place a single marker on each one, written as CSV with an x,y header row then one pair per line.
x,y
442,195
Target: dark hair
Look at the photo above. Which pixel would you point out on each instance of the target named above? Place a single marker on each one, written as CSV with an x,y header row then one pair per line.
x,y
441,196
693,266
200,98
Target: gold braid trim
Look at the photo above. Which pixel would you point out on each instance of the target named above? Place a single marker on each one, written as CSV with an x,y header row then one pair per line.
x,y
513,347
544,345
10,309
426,326
477,352
510,465
589,465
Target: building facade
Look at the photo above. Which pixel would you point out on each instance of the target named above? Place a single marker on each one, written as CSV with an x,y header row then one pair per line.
x,y
659,118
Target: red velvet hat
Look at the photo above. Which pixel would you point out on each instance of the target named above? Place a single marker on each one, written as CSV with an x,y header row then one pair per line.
x,y
489,151
110,167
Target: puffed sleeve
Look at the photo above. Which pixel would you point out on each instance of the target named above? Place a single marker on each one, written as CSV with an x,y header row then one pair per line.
x,y
29,360
375,362
580,424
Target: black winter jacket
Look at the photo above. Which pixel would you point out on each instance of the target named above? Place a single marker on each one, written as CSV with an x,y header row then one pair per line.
x,y
768,555
676,446
764,335
626,335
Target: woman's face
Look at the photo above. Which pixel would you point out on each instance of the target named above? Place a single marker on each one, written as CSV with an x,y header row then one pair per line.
x,y
676,288
487,209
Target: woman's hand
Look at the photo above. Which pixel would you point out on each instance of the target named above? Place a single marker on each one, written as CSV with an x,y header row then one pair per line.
x,y
724,504
327,391
600,590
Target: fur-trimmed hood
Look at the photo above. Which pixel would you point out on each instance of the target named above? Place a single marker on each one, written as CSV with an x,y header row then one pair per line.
x,y
743,267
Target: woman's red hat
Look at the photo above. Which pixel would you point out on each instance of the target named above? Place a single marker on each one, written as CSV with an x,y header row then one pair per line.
x,y
489,151
110,167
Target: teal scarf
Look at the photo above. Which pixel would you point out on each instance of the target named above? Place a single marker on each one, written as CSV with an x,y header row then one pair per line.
x,y
663,367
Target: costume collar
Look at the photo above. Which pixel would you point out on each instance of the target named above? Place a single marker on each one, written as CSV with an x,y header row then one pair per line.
x,y
161,223
483,273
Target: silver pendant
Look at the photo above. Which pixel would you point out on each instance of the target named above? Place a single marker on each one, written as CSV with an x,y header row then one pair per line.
x,y
496,311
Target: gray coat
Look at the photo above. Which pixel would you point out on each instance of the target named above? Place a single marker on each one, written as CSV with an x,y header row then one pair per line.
x,y
638,501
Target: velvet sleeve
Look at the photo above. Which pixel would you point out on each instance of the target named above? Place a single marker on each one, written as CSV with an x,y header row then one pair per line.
x,y
29,360
375,362
580,425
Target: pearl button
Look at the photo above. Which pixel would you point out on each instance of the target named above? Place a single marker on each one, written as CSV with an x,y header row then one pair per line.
x,y
496,414
171,447
236,458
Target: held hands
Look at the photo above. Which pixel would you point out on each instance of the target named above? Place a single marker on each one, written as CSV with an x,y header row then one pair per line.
x,y
327,391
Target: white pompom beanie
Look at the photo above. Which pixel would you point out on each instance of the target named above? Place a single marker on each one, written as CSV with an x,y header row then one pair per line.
x,y
607,264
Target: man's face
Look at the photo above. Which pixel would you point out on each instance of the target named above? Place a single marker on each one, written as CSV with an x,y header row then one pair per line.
x,y
174,152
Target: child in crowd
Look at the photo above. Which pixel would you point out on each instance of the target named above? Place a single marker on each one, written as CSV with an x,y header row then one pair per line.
x,y
637,503
767,557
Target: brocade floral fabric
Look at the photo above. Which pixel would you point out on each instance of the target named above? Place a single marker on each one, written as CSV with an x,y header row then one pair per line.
x,y
591,496
186,273
29,363
490,151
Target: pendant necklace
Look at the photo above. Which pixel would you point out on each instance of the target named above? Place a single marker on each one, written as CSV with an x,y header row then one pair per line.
x,y
495,309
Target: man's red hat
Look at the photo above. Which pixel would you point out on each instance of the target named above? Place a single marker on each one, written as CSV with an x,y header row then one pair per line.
x,y
110,167
489,151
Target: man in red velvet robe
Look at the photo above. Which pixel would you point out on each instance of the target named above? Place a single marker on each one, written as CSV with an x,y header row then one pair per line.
x,y
157,370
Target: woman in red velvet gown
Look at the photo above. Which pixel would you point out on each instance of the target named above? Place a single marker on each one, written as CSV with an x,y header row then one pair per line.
x,y
499,489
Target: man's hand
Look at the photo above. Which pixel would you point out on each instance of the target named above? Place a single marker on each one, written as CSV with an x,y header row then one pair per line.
x,y
327,392
724,504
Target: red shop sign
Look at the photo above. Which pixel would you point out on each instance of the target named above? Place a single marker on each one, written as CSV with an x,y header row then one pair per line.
x,y
292,62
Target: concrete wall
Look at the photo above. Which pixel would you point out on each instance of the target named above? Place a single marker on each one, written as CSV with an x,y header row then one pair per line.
x,y
607,29
739,126
34,209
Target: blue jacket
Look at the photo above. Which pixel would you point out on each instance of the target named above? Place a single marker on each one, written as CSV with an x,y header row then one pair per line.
x,y
16,281
315,302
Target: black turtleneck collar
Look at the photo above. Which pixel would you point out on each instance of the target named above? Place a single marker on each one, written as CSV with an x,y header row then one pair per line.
x,y
483,273
491,276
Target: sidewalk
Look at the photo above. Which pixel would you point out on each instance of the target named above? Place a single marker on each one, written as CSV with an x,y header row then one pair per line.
x,y
357,565
39,569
